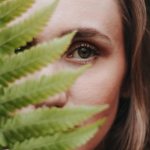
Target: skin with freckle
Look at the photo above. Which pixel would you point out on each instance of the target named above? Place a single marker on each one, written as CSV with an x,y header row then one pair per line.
x,y
102,82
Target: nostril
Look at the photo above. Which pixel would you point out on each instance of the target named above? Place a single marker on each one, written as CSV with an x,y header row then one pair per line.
x,y
59,100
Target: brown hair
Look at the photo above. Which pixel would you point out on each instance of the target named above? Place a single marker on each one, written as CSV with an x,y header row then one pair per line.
x,y
130,130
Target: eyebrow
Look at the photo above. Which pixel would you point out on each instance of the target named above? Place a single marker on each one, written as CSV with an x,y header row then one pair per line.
x,y
88,33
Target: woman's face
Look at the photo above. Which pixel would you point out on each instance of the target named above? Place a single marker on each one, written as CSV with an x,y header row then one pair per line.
x,y
99,42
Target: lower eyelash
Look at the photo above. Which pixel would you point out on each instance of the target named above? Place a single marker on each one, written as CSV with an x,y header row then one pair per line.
x,y
81,62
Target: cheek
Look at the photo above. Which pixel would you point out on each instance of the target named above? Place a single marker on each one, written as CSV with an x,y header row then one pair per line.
x,y
100,84
96,87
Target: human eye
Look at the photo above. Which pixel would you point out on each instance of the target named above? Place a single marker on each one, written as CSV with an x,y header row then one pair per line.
x,y
82,53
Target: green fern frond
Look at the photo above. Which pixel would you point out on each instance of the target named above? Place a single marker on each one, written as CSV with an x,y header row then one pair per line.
x,y
1,1
19,34
44,128
46,121
62,141
12,9
35,91
3,142
12,68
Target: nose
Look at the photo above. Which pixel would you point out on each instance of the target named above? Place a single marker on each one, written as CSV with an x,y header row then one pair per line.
x,y
59,100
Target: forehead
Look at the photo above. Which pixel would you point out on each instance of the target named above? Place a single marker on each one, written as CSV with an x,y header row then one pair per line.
x,y
102,15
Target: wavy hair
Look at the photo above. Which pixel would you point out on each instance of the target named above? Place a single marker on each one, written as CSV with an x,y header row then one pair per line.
x,y
130,130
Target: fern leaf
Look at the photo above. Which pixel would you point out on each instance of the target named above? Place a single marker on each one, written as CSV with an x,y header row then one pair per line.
x,y
12,9
46,121
19,34
44,128
35,91
3,142
1,1
65,141
14,67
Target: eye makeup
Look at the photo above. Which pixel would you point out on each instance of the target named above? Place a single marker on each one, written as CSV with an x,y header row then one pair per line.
x,y
82,52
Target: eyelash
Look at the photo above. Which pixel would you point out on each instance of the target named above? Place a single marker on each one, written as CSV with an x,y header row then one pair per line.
x,y
68,55
84,46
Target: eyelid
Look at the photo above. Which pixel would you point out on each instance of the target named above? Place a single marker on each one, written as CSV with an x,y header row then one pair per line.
x,y
105,48
79,44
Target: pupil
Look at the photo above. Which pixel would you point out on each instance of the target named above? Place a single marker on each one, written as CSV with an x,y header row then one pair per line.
x,y
84,52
